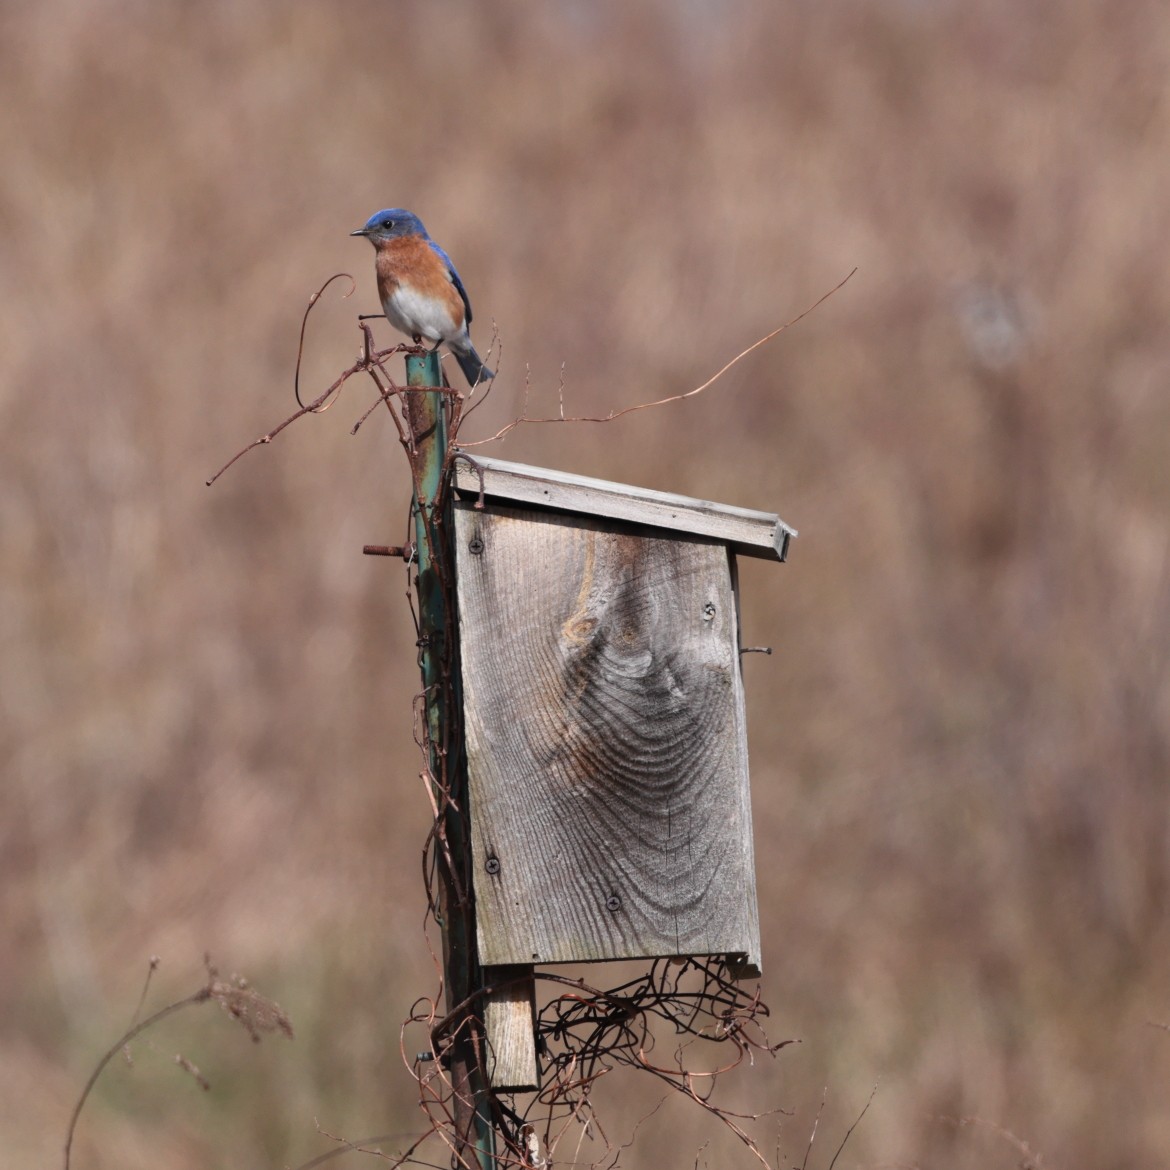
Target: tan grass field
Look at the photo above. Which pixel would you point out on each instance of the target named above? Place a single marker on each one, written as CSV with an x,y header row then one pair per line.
x,y
961,748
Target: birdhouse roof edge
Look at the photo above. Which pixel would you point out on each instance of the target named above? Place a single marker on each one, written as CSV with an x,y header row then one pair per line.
x,y
745,530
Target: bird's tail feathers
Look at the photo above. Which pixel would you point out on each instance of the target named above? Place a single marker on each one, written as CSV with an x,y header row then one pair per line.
x,y
473,368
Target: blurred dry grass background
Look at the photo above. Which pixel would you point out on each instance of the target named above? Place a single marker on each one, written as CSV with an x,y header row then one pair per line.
x,y
960,751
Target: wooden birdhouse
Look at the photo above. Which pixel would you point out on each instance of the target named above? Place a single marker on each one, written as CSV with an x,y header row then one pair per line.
x,y
604,715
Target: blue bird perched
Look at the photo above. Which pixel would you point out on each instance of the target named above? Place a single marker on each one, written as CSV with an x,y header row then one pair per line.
x,y
420,290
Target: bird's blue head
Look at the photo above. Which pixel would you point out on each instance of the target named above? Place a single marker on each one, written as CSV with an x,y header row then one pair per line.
x,y
390,224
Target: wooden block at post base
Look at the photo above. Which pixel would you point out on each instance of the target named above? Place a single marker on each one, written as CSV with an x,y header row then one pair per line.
x,y
509,1017
607,747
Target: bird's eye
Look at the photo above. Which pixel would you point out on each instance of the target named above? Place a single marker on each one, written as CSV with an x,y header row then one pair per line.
x,y
387,224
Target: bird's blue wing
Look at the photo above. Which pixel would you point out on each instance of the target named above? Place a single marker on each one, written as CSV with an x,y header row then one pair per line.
x,y
454,280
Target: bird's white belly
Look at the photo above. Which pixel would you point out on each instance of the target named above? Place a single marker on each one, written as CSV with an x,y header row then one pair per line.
x,y
414,314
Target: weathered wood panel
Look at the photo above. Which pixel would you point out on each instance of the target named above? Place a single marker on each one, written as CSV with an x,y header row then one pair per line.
x,y
606,741
752,533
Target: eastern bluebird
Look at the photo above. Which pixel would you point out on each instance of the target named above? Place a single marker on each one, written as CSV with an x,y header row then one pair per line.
x,y
420,290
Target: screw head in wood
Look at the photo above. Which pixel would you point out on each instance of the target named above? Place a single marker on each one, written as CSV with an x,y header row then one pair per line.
x,y
708,611
492,865
613,902
475,545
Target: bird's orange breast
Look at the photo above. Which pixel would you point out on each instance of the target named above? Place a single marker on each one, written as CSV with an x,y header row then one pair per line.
x,y
411,262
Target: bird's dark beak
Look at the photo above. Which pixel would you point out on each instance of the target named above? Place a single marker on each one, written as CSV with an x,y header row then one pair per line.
x,y
360,232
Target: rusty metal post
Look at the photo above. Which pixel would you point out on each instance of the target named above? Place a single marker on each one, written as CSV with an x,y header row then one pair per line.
x,y
439,660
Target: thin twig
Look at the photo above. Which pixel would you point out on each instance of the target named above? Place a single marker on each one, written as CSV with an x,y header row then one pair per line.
x,y
850,1130
201,996
364,1146
312,408
561,418
251,1010
305,320
1032,1160
816,1121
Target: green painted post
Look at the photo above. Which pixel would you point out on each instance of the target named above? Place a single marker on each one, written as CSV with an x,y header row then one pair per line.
x,y
440,671
428,426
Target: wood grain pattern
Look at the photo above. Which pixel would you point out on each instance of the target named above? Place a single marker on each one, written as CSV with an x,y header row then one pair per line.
x,y
606,741
509,1017
751,533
